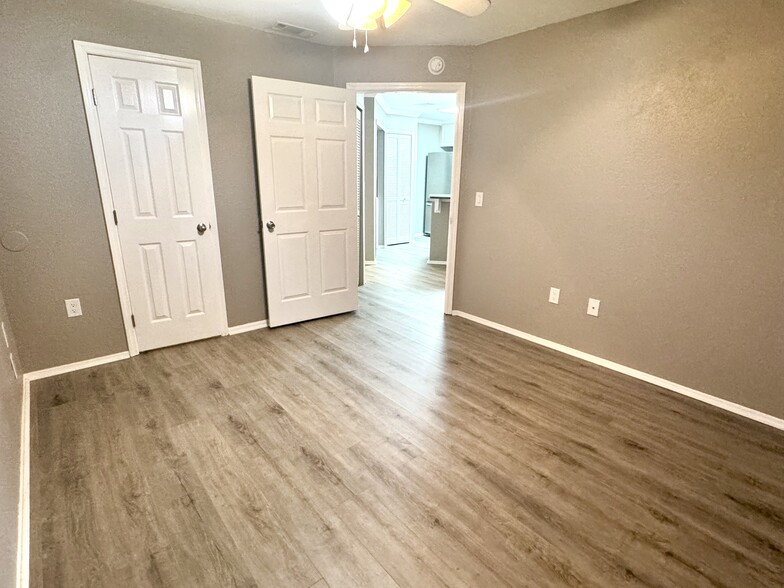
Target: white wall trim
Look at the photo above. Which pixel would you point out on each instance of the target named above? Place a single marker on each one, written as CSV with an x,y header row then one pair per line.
x,y
23,521
732,407
429,262
76,366
458,88
23,540
83,50
247,327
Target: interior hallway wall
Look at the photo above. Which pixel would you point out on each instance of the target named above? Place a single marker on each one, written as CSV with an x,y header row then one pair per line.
x,y
635,156
48,187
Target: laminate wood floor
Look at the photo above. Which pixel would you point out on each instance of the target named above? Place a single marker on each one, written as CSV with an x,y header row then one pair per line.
x,y
393,447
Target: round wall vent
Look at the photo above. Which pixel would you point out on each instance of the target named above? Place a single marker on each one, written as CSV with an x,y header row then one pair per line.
x,y
436,66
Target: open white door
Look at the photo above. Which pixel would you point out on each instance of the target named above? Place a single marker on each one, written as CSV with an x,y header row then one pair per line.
x,y
306,150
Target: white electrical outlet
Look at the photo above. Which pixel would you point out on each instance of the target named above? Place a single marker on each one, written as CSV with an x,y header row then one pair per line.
x,y
555,295
73,307
480,198
5,335
593,306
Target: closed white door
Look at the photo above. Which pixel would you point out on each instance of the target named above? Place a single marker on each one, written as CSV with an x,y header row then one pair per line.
x,y
306,149
155,145
398,188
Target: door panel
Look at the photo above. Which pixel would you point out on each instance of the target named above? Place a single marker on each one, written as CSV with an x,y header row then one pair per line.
x,y
335,258
294,263
288,173
306,144
155,144
331,167
398,178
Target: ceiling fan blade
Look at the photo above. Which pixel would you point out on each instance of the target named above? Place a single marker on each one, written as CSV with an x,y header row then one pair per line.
x,y
466,7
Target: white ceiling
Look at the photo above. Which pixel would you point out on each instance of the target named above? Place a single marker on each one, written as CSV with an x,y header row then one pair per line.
x,y
427,23
435,107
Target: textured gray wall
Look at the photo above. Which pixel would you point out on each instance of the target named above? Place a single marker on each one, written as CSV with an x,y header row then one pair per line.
x,y
400,64
10,443
48,187
632,155
635,156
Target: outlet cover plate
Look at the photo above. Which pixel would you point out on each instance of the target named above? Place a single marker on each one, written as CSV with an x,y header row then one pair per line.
x,y
73,307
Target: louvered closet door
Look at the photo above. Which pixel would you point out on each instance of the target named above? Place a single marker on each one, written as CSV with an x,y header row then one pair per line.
x,y
155,146
398,188
360,191
306,149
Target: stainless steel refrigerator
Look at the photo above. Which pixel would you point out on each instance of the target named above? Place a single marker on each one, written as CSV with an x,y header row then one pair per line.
x,y
438,180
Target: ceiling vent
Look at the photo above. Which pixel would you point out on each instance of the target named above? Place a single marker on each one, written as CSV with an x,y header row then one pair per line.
x,y
290,30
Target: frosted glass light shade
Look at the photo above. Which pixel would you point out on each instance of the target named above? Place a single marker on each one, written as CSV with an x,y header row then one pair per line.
x,y
366,15
355,11
395,9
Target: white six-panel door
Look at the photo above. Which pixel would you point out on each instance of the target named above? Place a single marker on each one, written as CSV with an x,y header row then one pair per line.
x,y
398,180
306,149
154,142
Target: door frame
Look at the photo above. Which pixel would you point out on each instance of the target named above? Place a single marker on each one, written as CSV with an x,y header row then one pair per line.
x,y
83,50
459,89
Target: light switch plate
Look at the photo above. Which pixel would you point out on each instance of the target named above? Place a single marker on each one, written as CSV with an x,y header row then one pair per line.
x,y
73,307
593,306
480,198
555,295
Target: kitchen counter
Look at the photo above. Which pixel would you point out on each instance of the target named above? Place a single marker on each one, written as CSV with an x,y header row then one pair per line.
x,y
439,228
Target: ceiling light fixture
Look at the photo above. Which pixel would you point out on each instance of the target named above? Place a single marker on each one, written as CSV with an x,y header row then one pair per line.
x,y
366,15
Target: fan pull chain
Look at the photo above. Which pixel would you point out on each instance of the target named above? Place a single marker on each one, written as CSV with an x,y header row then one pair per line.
x,y
367,47
355,38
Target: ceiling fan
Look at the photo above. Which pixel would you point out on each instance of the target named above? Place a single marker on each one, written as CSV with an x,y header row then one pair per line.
x,y
369,15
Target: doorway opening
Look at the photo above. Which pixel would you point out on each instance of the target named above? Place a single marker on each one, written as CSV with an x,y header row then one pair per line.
x,y
411,152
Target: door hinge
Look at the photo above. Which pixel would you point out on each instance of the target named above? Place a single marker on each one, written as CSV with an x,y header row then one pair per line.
x,y
133,321
114,214
95,99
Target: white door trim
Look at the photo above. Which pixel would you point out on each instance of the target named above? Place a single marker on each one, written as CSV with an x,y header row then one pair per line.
x,y
459,89
83,51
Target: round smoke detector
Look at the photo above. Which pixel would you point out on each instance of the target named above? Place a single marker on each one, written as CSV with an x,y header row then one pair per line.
x,y
436,66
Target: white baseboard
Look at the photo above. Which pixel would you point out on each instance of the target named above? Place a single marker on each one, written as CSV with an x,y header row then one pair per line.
x,y
23,538
738,409
248,327
435,262
76,366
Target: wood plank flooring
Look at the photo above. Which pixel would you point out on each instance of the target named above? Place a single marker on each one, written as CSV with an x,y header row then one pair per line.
x,y
393,447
